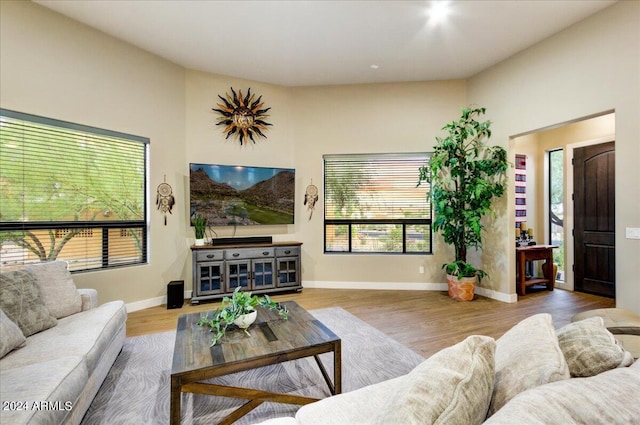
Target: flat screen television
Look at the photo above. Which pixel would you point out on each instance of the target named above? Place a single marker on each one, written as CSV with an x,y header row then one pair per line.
x,y
234,195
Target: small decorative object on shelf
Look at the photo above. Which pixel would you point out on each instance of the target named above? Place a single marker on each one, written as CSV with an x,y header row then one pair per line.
x,y
235,310
199,226
243,116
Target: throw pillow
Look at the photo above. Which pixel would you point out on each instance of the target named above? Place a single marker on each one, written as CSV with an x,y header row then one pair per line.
x,y
590,348
610,398
58,291
451,387
11,336
21,301
527,355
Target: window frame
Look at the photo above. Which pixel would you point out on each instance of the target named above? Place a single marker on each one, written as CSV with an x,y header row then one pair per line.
x,y
403,222
104,226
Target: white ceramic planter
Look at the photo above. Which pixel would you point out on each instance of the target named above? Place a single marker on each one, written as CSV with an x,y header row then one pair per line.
x,y
199,242
244,321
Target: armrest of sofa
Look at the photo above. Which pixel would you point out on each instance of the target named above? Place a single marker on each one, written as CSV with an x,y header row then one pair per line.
x,y
89,298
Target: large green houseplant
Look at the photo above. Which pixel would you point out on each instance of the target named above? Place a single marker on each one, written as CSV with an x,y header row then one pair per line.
x,y
465,176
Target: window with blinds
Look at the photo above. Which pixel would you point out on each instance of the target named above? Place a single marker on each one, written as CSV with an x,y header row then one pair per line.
x,y
372,204
71,192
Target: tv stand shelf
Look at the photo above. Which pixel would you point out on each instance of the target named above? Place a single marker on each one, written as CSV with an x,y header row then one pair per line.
x,y
257,267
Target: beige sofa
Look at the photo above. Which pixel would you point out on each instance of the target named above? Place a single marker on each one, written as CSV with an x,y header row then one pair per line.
x,y
52,375
532,375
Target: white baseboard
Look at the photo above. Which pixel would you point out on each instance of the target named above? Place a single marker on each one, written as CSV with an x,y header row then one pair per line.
x,y
151,302
397,286
500,296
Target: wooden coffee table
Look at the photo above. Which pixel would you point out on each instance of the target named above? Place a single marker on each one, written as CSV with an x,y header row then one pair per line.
x,y
272,341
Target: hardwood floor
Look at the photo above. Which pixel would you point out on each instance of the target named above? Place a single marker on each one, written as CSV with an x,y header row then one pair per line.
x,y
424,321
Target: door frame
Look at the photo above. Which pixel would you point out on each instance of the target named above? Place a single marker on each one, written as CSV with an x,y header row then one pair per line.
x,y
569,245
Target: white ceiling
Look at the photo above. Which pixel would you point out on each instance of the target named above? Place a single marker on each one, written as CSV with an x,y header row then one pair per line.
x,y
298,43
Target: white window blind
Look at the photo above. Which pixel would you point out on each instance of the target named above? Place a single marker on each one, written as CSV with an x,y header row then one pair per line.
x,y
70,192
372,203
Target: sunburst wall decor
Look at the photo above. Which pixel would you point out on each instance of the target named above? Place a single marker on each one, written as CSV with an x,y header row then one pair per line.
x,y
243,116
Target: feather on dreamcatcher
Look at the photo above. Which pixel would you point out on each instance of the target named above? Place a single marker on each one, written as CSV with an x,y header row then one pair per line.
x,y
310,198
164,199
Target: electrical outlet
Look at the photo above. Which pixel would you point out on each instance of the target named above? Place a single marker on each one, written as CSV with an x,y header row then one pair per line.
x,y
421,269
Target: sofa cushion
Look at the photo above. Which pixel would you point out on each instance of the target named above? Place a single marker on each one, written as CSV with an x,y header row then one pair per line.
x,y
451,387
21,301
45,392
83,334
590,348
11,337
527,355
467,368
609,398
58,291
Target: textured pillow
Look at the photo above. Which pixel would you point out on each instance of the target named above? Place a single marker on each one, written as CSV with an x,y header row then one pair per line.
x,y
590,348
451,387
527,355
610,398
11,336
58,291
21,301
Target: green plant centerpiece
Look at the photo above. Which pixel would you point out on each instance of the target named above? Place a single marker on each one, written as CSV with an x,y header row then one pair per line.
x,y
199,226
235,309
465,176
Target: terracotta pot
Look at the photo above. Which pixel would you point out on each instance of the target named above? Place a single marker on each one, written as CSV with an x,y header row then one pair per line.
x,y
462,289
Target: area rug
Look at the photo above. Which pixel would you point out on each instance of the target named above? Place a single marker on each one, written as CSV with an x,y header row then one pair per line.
x,y
136,390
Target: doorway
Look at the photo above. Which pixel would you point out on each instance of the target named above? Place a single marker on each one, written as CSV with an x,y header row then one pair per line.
x,y
550,151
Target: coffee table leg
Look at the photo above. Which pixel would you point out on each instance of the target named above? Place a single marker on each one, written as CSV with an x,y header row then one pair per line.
x,y
176,395
337,367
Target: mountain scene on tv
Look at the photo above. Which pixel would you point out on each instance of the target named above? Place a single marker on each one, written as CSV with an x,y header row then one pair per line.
x,y
233,195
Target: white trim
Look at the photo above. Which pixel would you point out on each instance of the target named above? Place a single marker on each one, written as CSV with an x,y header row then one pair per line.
x,y
406,286
151,302
500,296
398,286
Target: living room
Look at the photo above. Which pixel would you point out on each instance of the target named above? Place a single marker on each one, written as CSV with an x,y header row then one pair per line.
x,y
54,66
540,87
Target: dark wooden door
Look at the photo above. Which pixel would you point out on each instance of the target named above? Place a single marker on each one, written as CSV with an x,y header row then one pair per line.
x,y
594,218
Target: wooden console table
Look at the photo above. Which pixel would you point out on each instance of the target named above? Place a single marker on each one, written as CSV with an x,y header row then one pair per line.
x,y
531,253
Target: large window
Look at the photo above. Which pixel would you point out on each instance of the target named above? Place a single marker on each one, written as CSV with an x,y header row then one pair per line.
x,y
372,204
70,192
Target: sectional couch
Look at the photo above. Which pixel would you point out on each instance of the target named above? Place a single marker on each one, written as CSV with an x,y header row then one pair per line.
x,y
533,374
57,345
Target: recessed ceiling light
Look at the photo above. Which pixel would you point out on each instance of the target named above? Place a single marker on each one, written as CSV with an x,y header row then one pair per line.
x,y
438,11
374,66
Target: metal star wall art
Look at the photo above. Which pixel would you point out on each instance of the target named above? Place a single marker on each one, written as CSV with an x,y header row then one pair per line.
x,y
243,116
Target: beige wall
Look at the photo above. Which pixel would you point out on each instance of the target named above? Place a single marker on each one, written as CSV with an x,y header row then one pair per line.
x,y
367,119
55,67
591,67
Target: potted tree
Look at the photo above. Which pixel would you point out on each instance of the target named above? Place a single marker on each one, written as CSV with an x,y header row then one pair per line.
x,y
240,311
465,176
199,227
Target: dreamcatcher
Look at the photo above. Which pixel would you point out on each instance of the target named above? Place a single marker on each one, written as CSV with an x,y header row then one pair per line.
x,y
165,199
311,197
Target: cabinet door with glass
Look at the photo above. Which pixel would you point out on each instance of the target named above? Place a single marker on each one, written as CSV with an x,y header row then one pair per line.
x,y
288,271
238,274
263,273
210,278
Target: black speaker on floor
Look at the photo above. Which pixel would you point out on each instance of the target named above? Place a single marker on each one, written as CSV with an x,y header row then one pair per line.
x,y
175,294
